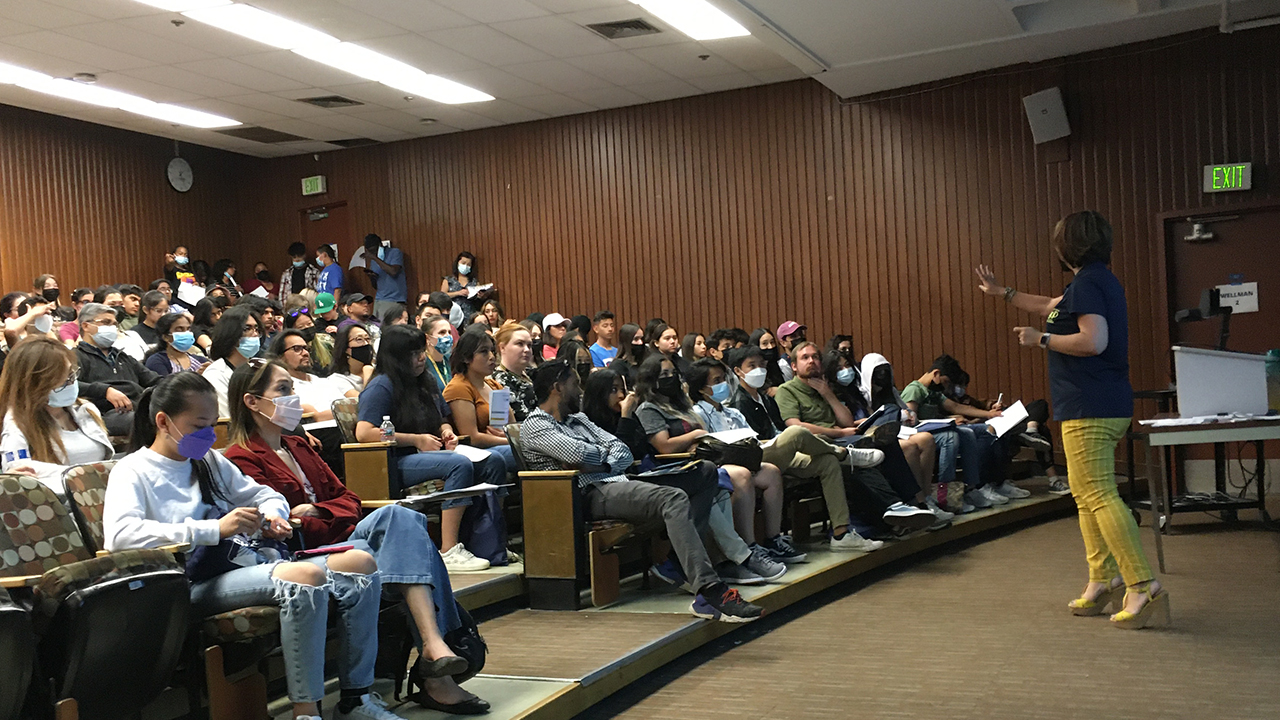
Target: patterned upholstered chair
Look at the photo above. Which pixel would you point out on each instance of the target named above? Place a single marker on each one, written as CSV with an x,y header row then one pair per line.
x,y
110,629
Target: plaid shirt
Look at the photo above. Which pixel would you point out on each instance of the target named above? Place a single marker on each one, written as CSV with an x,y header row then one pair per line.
x,y
575,444
286,281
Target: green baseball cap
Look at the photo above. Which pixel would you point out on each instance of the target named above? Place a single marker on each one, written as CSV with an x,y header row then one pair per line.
x,y
324,303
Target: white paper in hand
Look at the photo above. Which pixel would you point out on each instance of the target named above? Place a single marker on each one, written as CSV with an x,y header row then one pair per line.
x,y
189,293
260,292
1009,419
499,407
474,454
733,436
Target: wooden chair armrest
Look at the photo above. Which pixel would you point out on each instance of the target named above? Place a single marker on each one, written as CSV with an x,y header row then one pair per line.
x,y
375,504
175,548
674,456
381,444
19,581
549,474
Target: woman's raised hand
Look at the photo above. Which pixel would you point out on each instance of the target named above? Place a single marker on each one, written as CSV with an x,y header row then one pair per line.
x,y
987,281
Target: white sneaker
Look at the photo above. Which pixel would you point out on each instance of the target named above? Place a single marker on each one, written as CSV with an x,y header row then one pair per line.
x,y
942,515
966,508
460,559
853,542
977,499
1011,491
992,496
864,457
901,515
371,707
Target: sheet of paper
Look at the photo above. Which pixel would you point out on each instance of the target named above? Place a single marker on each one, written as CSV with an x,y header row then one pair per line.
x,y
477,489
474,454
906,431
1012,416
473,290
357,260
320,425
260,292
189,293
733,436
499,407
934,425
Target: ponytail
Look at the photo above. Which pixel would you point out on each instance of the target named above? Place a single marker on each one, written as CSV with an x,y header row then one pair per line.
x,y
170,396
144,423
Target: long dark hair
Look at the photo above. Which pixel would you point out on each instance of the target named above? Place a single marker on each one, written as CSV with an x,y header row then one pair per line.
x,y
172,396
202,316
340,345
163,326
415,411
568,351
633,354
686,345
773,373
470,342
595,399
226,334
849,394
647,386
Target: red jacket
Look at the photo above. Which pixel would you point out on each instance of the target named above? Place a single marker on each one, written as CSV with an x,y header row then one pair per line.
x,y
339,507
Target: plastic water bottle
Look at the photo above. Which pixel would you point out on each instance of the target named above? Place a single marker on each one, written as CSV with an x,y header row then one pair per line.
x,y
388,430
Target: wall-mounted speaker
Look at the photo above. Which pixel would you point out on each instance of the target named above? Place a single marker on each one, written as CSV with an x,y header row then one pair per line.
x,y
1047,115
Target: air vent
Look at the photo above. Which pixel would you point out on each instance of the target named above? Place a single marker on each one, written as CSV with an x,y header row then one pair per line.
x,y
261,134
331,101
624,29
353,142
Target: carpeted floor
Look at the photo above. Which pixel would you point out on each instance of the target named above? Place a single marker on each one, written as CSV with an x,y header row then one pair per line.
x,y
983,632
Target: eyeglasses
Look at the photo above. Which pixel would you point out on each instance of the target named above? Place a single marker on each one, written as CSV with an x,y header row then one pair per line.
x,y
102,323
250,330
299,311
358,342
73,377
297,348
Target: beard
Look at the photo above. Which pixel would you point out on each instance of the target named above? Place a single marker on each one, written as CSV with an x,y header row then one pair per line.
x,y
572,405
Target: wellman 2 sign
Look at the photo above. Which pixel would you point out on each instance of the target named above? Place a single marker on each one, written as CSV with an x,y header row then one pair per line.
x,y
1224,178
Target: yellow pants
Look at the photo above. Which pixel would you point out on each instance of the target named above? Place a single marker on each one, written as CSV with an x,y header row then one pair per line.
x,y
1111,541
801,454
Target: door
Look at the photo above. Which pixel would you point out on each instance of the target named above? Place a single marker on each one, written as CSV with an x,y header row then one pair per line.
x,y
331,225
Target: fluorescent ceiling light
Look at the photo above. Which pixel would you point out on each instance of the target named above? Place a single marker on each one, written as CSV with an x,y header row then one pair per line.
x,y
104,97
260,25
184,5
698,19
370,65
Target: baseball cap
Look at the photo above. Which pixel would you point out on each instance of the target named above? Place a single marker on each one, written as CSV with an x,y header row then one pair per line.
x,y
353,298
789,328
554,319
324,303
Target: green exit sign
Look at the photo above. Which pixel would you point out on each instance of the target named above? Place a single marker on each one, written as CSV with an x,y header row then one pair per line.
x,y
313,185
1224,178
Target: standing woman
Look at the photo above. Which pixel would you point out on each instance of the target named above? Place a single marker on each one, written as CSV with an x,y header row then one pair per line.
x,y
173,353
458,282
1087,340
515,356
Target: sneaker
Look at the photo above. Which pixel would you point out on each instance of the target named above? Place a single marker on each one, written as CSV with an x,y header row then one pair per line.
x,y
992,496
1035,441
905,516
1058,486
853,542
724,604
942,515
966,508
781,550
864,457
670,573
764,565
731,573
460,559
371,707
1011,491
977,500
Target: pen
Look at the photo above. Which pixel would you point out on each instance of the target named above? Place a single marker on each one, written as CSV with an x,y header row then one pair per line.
x,y
1000,399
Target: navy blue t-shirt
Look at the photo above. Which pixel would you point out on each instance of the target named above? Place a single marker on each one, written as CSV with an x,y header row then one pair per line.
x,y
1098,386
379,398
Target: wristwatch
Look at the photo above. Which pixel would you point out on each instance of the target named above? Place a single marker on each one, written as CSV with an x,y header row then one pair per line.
x,y
1044,340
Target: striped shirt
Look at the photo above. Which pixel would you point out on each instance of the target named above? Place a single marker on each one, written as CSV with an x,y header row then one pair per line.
x,y
574,444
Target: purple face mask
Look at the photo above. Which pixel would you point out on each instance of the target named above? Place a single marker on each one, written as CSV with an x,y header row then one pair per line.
x,y
196,445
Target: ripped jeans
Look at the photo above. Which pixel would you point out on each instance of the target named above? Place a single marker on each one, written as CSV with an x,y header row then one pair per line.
x,y
304,611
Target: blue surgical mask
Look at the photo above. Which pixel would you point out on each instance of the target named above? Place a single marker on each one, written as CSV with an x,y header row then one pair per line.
x,y
182,341
444,345
720,392
181,259
299,263
844,376
195,445
249,347
464,269
64,396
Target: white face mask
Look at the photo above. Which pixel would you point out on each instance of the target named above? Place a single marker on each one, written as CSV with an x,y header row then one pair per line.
x,y
64,396
106,336
464,269
43,324
288,411
755,378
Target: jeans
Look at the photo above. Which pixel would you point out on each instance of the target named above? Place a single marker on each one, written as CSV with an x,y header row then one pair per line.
x,y
304,609
720,523
1111,542
971,445
397,538
508,459
456,470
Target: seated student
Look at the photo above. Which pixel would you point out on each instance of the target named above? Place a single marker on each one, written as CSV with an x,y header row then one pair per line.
x,y
535,345
926,398
493,312
843,345
319,344
403,390
764,339
440,343
693,347
236,339
358,309
24,316
605,348
69,333
632,351
112,379
154,306
395,314
808,401
665,341
575,353
439,303
407,559
554,327
353,356
558,436
206,314
468,395
45,427
130,304
327,316
176,351
1028,435
720,342
789,335
317,394
174,489
609,403
515,357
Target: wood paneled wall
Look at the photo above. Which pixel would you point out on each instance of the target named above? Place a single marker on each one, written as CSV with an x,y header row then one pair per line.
x,y
754,206
91,204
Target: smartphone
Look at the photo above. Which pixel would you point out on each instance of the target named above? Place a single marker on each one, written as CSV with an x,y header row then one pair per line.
x,y
315,552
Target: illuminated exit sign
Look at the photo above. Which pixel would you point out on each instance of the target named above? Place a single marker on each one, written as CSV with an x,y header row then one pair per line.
x,y
1223,178
314,185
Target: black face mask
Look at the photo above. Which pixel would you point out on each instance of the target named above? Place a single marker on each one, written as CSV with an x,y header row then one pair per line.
x,y
640,352
264,276
796,340
584,370
770,354
50,294
121,315
308,334
669,385
536,345
363,354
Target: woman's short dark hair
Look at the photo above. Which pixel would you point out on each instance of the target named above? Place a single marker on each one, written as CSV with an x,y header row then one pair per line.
x,y
163,326
595,399
340,344
220,268
415,410
393,313
453,271
833,345
11,301
469,343
150,300
654,332
699,374
1082,238
203,314
568,351
226,333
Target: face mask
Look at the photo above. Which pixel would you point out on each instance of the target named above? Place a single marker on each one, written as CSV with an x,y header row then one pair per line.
x,y
444,345
182,260
106,336
288,412
249,347
382,253
196,445
121,315
64,397
464,269
362,354
43,324
49,294
182,341
958,391
796,340
264,276
299,263
584,369
845,376
308,334
720,392
755,378
669,385
770,355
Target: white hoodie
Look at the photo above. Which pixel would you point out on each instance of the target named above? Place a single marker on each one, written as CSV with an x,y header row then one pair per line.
x,y
870,362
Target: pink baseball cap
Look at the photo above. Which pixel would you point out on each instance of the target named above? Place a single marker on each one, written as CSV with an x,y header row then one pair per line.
x,y
789,328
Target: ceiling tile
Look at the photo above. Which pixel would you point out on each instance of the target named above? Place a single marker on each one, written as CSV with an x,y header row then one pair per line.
x,y
718,83
282,106
127,39
13,27
665,90
555,104
235,111
487,45
373,93
747,53
43,14
243,75
684,60
340,21
352,125
609,97
296,67
43,62
499,83
619,68
215,42
394,119
418,16
666,35
556,37
309,128
423,54
300,148
491,11
107,9
780,75
147,89
77,50
186,80
557,75
568,6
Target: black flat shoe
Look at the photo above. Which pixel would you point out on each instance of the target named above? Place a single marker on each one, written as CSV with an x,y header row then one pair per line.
x,y
442,667
473,706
